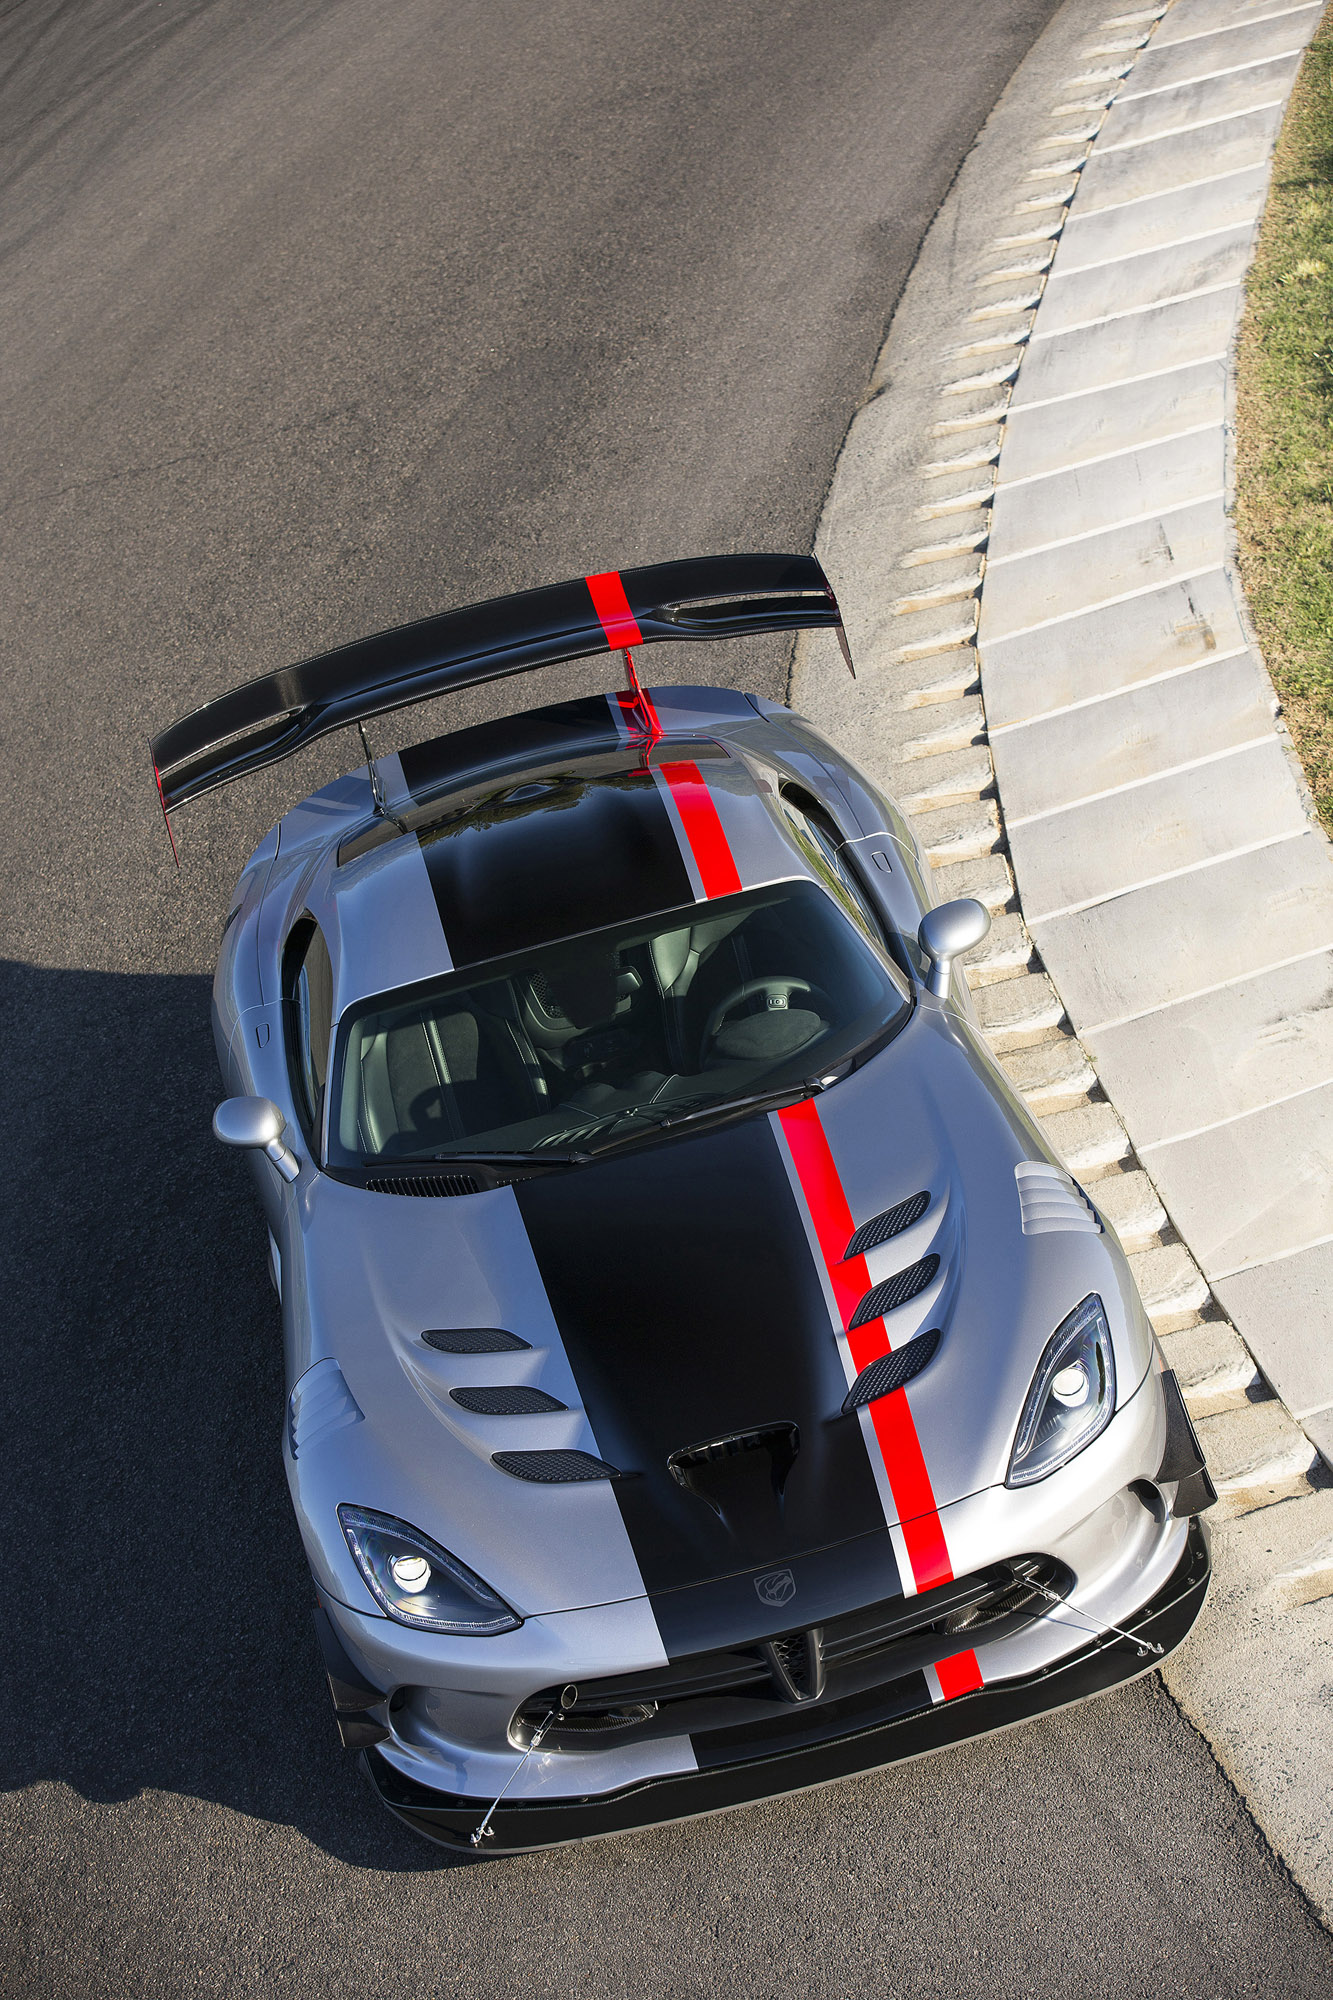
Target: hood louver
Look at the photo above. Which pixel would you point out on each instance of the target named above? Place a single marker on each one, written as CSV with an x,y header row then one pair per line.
x,y
506,1400
1049,1200
896,1291
320,1404
553,1468
473,1340
891,1223
892,1371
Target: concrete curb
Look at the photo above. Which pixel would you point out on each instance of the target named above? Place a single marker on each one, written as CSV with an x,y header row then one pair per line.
x,y
1028,530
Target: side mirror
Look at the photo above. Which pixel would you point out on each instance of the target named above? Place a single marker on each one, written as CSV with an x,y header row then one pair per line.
x,y
946,933
256,1122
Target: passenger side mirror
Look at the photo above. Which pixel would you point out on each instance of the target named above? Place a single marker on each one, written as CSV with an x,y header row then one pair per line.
x,y
946,933
255,1122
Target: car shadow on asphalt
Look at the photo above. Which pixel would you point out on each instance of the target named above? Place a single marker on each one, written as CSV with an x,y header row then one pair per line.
x,y
157,1600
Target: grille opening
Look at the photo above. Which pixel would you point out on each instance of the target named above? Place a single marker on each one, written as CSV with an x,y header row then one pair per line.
x,y
473,1340
856,1664
506,1400
891,1223
892,1371
896,1291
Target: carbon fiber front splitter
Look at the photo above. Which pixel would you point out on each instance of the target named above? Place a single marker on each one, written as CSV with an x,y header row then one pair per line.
x,y
1104,1663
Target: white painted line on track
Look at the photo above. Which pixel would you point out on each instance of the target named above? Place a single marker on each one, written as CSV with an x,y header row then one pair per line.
x,y
1237,1117
1202,992
1137,784
1169,875
1106,528
1105,603
1192,82
1152,250
1135,312
1116,693
1280,1257
1119,382
1234,27
1106,457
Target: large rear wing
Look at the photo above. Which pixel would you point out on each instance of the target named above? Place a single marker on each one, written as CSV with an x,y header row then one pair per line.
x,y
712,597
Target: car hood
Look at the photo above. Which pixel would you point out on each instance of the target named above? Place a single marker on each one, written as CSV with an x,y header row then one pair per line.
x,y
677,1301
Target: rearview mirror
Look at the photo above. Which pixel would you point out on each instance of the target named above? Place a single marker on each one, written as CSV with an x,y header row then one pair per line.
x,y
946,933
254,1123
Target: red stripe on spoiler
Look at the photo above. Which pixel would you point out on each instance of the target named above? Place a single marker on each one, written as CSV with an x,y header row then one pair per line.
x,y
703,828
891,1415
612,607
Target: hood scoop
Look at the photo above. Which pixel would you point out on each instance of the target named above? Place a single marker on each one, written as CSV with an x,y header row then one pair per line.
x,y
740,1477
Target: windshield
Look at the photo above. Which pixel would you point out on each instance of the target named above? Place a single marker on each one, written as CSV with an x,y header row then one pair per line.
x,y
625,1027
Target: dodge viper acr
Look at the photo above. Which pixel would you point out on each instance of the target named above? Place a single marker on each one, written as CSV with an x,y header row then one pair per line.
x,y
703,1379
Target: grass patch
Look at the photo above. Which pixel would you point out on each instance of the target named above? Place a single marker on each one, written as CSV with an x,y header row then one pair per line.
x,y
1284,442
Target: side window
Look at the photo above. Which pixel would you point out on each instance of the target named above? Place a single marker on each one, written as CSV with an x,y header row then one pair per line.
x,y
824,844
307,991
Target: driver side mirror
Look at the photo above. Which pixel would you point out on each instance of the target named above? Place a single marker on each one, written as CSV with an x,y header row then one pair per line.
x,y
946,933
254,1122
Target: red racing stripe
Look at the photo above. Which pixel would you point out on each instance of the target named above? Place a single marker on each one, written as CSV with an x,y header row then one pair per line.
x,y
612,607
891,1416
959,1674
703,828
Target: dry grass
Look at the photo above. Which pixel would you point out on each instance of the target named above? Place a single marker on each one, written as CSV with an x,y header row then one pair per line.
x,y
1284,513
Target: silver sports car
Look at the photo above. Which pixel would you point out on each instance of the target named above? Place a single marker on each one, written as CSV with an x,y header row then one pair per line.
x,y
704,1381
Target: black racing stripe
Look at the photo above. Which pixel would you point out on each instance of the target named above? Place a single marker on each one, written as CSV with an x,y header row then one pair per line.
x,y
467,755
690,1307
587,850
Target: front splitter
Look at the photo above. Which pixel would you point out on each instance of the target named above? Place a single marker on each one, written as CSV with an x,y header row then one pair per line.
x,y
1104,1663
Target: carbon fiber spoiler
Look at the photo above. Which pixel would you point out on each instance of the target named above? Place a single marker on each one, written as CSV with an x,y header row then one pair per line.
x,y
711,597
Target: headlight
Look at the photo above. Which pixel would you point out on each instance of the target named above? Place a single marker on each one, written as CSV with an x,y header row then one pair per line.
x,y
417,1582
1072,1397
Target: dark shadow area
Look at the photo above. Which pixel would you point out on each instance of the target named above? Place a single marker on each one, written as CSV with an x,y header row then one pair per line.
x,y
157,1600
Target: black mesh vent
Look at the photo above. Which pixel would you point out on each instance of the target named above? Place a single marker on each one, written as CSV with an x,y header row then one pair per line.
x,y
892,1223
506,1401
423,1184
896,1291
890,1372
553,1468
473,1340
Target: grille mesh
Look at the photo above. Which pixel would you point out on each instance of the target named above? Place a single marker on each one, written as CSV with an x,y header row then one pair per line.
x,y
438,1185
506,1400
473,1340
891,1223
553,1468
896,1291
892,1370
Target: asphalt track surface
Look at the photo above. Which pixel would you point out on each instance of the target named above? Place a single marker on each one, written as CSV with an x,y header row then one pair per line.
x,y
315,318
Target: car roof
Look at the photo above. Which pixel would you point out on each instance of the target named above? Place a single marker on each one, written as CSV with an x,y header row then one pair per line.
x,y
546,825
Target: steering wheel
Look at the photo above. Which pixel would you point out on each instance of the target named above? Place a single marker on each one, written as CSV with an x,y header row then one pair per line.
x,y
780,988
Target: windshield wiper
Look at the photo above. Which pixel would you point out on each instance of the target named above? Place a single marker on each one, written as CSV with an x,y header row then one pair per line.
x,y
516,1159
724,1109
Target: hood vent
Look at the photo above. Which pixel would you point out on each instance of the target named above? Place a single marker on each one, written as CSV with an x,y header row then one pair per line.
x,y
423,1184
512,1400
892,1370
1050,1200
891,1223
896,1291
473,1340
320,1404
553,1468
